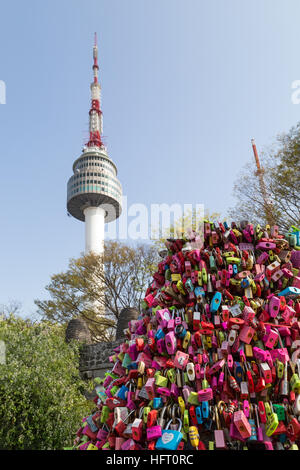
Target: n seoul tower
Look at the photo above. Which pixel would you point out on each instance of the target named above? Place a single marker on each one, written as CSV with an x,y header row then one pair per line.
x,y
94,192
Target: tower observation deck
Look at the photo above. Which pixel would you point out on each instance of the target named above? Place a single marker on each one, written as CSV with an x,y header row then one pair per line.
x,y
94,193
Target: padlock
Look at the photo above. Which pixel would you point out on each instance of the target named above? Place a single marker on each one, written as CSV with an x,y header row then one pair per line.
x,y
218,433
272,423
181,360
242,424
151,418
170,439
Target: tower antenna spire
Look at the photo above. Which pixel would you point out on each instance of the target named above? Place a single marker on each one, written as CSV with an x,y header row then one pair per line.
x,y
96,125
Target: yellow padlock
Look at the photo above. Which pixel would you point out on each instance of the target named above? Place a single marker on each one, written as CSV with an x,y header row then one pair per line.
x,y
181,405
186,340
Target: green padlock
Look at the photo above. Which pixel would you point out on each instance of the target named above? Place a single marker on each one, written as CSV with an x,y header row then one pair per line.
x,y
295,382
186,421
280,411
146,411
114,390
279,369
161,381
104,414
193,398
171,374
126,360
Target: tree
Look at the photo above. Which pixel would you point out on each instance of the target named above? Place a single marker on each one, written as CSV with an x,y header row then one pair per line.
x,y
78,292
182,226
281,177
41,399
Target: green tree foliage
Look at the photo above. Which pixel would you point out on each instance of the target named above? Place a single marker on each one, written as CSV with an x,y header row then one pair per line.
x,y
281,163
190,220
86,290
41,399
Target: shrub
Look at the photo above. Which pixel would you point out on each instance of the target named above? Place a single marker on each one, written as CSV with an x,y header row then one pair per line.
x,y
41,400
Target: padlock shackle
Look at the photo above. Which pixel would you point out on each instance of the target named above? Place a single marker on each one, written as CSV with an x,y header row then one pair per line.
x,y
180,424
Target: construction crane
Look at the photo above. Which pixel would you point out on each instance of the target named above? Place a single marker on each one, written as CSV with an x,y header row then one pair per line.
x,y
268,206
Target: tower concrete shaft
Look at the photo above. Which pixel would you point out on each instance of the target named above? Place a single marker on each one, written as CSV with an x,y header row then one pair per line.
x,y
94,193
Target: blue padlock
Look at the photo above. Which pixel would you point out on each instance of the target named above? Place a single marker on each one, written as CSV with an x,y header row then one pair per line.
x,y
133,365
91,424
159,334
199,415
253,436
199,291
189,285
122,392
157,403
180,331
216,302
238,372
205,409
292,292
170,439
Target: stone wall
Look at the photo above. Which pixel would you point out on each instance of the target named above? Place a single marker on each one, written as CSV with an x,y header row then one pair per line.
x,y
94,359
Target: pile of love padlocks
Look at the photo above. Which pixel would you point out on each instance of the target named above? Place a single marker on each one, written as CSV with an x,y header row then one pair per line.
x,y
212,361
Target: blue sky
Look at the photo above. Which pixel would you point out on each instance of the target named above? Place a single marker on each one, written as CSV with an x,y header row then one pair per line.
x,y
185,85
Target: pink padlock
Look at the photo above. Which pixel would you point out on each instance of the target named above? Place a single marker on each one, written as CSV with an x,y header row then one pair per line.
x,y
137,429
205,395
262,258
102,434
234,433
129,444
171,343
266,246
118,369
242,424
154,432
160,345
266,372
132,351
107,381
248,314
143,357
198,371
277,275
259,354
246,334
274,306
119,442
181,360
186,393
163,391
217,366
288,314
163,316
279,353
271,340
150,388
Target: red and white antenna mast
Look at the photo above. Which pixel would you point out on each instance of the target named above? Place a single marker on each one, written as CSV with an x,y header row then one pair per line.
x,y
95,127
260,174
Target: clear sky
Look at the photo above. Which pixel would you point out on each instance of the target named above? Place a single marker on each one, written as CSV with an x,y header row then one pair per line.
x,y
185,85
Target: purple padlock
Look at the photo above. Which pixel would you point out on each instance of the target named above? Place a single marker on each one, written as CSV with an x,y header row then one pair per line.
x,y
102,434
174,391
